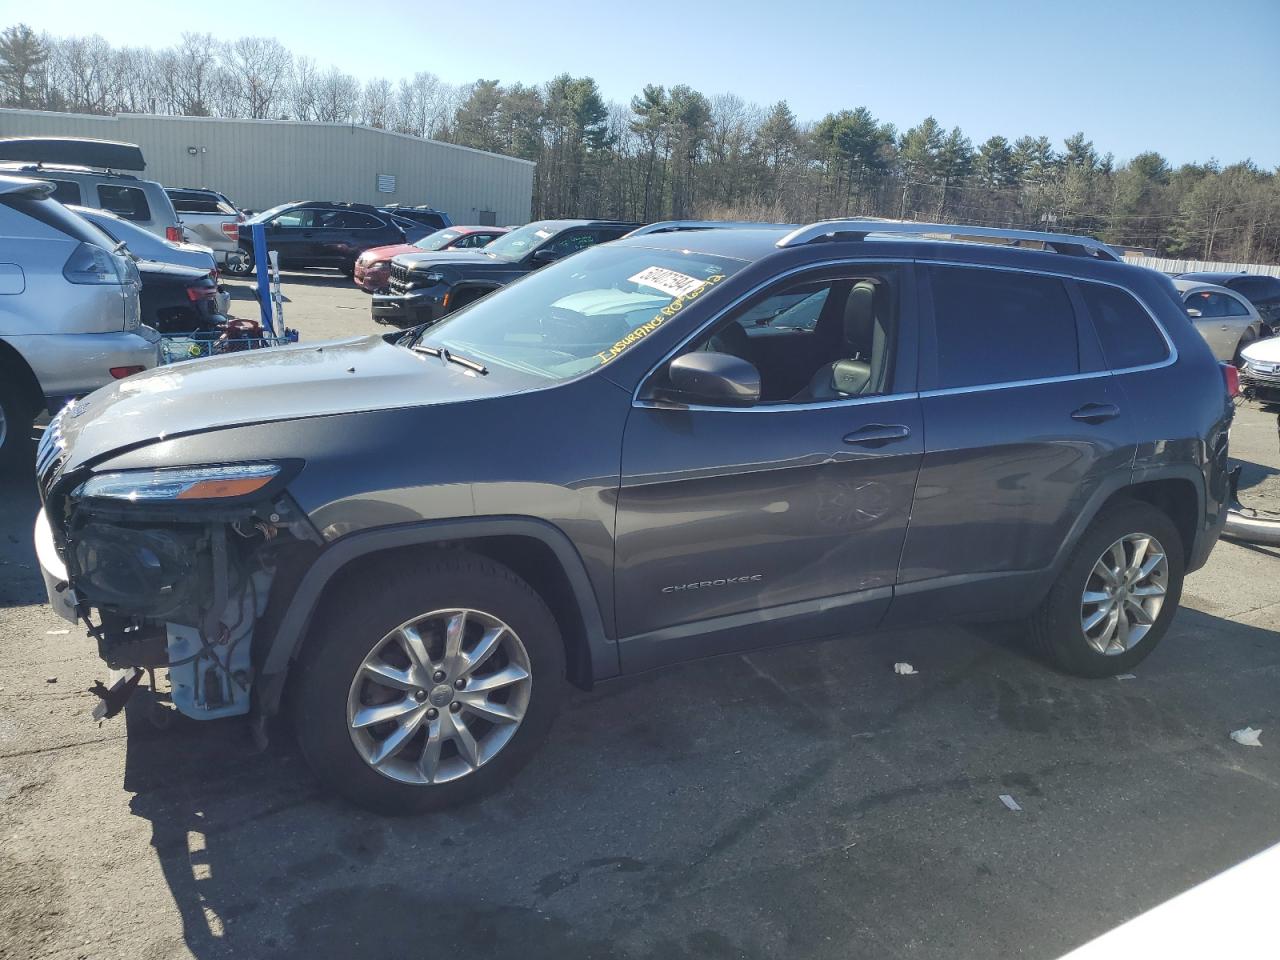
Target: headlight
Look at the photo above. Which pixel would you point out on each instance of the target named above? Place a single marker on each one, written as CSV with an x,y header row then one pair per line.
x,y
429,278
188,483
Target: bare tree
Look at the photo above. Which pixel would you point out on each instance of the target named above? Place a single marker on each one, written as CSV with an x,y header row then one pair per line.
x,y
338,97
258,70
189,75
304,88
376,104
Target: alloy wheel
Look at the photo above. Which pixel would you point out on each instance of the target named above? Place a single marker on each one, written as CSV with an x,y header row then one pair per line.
x,y
1124,593
439,696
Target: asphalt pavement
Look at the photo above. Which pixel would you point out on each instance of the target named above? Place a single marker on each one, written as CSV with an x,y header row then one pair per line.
x,y
801,802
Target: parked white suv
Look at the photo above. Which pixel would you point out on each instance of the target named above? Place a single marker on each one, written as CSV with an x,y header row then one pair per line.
x,y
85,173
69,313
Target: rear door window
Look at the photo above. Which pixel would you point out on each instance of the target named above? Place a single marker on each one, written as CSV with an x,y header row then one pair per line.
x,y
127,202
1126,330
998,326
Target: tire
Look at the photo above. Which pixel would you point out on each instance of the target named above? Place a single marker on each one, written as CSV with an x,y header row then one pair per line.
x,y
16,418
1250,336
366,621
1058,626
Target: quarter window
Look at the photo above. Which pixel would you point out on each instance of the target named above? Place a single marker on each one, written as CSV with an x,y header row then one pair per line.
x,y
127,202
1128,334
66,191
996,326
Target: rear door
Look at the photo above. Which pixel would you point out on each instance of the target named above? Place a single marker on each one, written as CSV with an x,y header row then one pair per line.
x,y
743,527
1022,424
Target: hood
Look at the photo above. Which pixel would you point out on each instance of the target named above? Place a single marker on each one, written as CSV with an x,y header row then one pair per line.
x,y
257,386
386,253
425,260
1263,351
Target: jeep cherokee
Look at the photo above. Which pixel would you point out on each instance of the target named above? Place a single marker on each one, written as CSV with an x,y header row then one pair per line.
x,y
672,446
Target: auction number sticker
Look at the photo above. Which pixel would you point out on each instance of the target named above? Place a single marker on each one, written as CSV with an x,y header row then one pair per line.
x,y
670,282
698,288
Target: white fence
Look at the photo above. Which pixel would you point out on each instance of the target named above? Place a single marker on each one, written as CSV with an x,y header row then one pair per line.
x,y
1167,265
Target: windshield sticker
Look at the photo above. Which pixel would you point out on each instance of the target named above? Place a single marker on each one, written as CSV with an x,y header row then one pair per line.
x,y
670,282
542,233
661,317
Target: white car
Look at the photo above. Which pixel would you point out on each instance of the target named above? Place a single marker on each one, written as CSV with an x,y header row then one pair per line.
x,y
69,310
1227,321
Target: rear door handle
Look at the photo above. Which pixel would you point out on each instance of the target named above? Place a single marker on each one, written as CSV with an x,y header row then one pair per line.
x,y
878,434
1096,412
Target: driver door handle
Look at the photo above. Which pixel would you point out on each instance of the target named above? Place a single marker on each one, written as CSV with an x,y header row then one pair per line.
x,y
1096,412
877,434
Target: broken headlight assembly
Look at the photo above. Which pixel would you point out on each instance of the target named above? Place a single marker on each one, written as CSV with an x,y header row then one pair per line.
x,y
183,483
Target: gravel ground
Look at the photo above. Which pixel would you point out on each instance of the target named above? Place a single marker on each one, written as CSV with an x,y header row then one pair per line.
x,y
799,802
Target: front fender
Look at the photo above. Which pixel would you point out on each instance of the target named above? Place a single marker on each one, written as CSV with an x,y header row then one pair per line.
x,y
296,616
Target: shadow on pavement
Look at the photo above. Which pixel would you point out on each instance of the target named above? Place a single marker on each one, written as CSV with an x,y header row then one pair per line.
x,y
801,802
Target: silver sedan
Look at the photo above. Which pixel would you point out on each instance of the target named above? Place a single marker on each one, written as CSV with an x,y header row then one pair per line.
x,y
1227,321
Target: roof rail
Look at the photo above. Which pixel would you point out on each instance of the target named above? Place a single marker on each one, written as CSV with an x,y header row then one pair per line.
x,y
674,226
859,229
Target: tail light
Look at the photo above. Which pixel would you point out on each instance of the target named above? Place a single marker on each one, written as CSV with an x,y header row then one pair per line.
x,y
231,230
1230,379
201,293
173,234
119,373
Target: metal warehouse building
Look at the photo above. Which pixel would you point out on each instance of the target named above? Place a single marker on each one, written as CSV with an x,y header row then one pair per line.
x,y
259,163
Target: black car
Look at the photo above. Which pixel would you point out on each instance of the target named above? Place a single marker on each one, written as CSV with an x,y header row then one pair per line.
x,y
427,216
1260,290
317,233
672,446
178,299
427,286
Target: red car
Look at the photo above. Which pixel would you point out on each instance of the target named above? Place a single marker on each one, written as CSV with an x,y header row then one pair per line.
x,y
373,267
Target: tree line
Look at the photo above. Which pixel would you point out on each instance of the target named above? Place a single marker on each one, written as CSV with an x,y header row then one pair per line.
x,y
674,152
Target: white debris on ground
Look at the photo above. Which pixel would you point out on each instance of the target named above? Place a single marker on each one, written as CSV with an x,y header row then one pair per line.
x,y
1126,676
1247,737
1009,802
904,668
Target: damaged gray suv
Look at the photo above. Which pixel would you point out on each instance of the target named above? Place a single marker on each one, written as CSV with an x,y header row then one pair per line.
x,y
680,444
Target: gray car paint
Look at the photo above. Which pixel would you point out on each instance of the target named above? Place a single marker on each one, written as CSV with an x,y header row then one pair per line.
x,y
397,447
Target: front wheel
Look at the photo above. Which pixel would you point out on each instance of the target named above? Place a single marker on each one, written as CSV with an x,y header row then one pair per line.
x,y
429,686
1116,596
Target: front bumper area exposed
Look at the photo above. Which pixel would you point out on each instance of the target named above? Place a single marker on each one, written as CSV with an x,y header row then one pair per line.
x,y
407,309
173,586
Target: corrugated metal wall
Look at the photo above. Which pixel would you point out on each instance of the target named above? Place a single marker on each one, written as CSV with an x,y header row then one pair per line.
x,y
259,163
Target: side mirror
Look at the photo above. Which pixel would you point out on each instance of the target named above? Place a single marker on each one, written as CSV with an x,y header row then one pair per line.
x,y
716,379
544,256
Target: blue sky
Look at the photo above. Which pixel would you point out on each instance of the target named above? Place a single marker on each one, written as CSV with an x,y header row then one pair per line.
x,y
1192,79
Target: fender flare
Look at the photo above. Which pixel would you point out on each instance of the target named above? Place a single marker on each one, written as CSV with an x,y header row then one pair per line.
x,y
288,636
1118,483
468,287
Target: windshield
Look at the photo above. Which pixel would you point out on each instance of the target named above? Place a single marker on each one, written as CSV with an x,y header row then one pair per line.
x,y
438,240
581,314
514,245
268,214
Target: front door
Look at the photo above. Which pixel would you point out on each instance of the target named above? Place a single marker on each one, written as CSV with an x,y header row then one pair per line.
x,y
749,526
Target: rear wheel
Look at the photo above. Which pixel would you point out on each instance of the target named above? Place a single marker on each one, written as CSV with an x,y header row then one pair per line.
x,y
1117,594
1250,336
429,686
